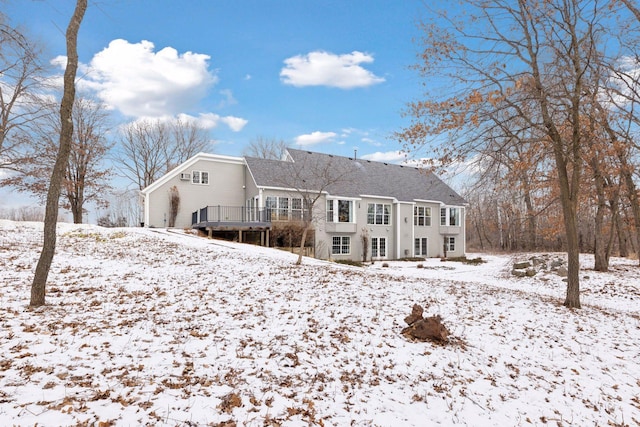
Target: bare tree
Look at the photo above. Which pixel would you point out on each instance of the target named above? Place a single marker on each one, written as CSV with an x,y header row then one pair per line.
x,y
188,140
85,178
122,210
310,178
150,148
38,286
23,213
530,60
620,93
144,145
21,74
266,148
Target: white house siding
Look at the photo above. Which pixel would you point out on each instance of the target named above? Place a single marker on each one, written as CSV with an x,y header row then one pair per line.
x,y
225,187
430,232
378,231
457,232
326,231
251,190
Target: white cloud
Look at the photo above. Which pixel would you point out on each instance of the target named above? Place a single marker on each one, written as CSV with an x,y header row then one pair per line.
x,y
228,98
235,123
313,138
321,68
212,120
387,157
138,81
626,81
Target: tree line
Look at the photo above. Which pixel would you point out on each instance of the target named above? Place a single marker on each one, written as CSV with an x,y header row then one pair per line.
x,y
539,99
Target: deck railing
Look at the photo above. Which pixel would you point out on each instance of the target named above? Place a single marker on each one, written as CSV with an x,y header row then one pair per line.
x,y
234,214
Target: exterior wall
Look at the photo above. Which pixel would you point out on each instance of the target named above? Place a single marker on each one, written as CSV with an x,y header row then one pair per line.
x,y
400,233
404,230
225,187
379,231
325,231
430,232
457,232
231,184
251,190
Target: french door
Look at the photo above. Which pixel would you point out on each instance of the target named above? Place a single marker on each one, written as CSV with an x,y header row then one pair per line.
x,y
378,248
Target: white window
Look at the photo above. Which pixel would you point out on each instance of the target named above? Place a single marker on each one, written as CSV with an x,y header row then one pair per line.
x,y
272,202
378,247
296,208
450,216
200,177
450,244
271,205
330,210
420,248
378,213
283,208
422,216
340,211
341,245
280,208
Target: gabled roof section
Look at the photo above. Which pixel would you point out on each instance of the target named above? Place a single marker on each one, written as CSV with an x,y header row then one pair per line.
x,y
186,165
354,177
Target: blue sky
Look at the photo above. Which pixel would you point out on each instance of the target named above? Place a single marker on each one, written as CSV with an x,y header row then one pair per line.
x,y
329,76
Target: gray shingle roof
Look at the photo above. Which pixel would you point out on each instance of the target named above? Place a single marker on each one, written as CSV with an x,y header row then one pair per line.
x,y
352,178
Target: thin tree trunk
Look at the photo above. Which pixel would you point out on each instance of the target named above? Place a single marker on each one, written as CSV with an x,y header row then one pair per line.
x,y
601,261
531,222
572,299
76,209
38,286
623,249
302,242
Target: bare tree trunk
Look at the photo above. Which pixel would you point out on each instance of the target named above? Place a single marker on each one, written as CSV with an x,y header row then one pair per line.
x,y
38,286
302,242
76,203
77,214
623,249
531,221
572,299
601,261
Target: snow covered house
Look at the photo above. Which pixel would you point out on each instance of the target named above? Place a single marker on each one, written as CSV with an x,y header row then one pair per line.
x,y
396,211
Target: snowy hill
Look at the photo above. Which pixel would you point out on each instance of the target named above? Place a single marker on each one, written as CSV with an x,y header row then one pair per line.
x,y
147,327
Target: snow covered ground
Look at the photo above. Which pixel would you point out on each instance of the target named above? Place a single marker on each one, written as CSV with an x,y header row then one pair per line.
x,y
149,327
